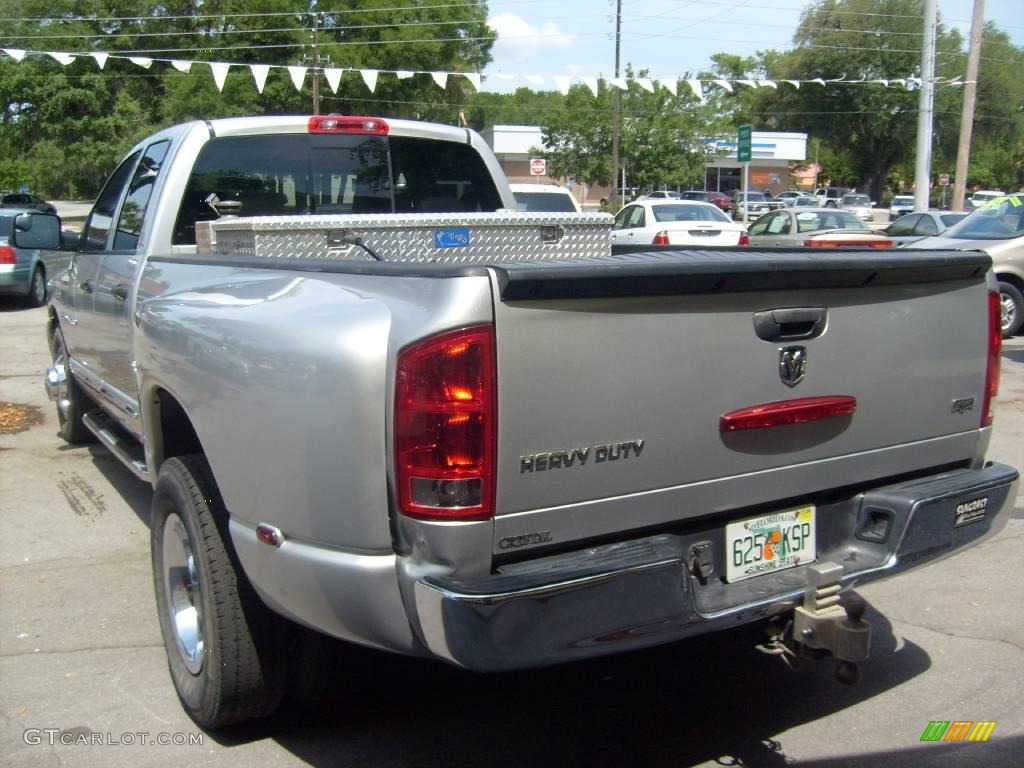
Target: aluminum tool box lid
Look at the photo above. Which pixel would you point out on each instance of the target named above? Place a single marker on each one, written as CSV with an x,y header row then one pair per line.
x,y
452,238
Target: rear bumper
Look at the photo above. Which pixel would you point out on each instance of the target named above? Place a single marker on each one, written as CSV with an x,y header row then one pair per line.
x,y
14,279
641,593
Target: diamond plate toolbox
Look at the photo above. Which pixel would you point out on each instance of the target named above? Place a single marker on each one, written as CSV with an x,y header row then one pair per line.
x,y
462,238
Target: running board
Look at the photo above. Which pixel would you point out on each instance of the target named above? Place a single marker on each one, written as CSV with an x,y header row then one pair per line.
x,y
128,451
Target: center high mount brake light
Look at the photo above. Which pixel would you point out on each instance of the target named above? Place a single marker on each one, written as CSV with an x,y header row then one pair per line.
x,y
367,126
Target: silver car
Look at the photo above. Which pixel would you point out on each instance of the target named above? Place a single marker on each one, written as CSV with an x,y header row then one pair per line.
x,y
828,227
859,205
917,226
998,229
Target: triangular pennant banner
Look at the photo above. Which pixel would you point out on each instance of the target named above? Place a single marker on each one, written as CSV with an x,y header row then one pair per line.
x,y
139,61
473,78
370,78
697,88
725,84
62,58
15,53
333,75
818,80
101,59
768,84
669,85
259,74
751,83
620,83
591,83
182,66
645,83
220,73
794,83
403,74
298,76
562,84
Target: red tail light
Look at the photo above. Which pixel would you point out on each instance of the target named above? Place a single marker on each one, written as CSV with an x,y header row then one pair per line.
x,y
848,243
7,255
744,239
371,126
787,412
995,346
445,426
661,239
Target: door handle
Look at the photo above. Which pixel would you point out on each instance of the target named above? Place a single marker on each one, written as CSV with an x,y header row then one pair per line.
x,y
120,291
85,286
790,324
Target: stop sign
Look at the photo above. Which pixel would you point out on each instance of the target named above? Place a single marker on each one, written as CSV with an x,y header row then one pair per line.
x,y
538,166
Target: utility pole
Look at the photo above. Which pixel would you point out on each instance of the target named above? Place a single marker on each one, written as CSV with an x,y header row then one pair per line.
x,y
963,148
617,119
925,110
316,63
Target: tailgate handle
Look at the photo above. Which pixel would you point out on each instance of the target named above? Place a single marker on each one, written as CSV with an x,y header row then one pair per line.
x,y
790,324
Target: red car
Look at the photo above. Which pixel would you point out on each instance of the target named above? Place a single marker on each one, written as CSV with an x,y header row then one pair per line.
x,y
722,200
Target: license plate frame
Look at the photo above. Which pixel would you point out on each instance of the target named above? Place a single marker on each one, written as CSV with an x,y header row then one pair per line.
x,y
769,543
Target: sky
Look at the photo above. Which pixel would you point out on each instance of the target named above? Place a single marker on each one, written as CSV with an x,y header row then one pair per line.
x,y
541,39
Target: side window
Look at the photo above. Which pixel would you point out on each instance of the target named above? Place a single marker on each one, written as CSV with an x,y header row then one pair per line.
x,y
133,210
621,216
761,225
904,225
97,227
779,225
926,226
636,218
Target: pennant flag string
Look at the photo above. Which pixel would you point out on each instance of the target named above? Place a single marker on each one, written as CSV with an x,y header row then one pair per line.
x,y
561,83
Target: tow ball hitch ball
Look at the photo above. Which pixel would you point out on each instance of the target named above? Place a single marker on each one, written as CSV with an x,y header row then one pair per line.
x,y
822,626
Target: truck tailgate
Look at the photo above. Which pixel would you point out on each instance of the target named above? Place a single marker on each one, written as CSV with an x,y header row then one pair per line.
x,y
613,378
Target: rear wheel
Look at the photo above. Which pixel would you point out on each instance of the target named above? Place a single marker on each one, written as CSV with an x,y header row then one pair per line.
x,y
37,288
1012,308
830,204
227,652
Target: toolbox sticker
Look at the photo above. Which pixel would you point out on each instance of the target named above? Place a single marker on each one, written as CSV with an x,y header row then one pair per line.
x,y
451,237
971,512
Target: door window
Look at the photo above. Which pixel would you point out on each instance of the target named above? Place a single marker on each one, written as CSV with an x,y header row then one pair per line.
x,y
779,224
133,210
97,227
926,226
904,225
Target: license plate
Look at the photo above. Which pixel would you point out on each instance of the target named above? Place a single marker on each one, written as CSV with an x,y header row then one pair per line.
x,y
769,543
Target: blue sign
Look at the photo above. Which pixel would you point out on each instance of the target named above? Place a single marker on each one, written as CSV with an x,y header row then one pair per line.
x,y
451,237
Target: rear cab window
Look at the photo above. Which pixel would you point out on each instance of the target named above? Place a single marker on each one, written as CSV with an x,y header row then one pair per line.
x,y
301,174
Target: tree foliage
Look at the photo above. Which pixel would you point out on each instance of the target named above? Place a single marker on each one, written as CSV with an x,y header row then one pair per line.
x,y
63,128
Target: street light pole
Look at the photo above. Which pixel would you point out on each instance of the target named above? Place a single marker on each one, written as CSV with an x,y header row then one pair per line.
x,y
316,63
617,118
963,149
926,107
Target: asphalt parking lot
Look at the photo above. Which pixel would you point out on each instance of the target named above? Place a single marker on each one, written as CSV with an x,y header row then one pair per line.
x,y
83,679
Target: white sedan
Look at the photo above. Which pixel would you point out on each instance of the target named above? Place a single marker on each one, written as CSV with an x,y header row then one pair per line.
x,y
675,222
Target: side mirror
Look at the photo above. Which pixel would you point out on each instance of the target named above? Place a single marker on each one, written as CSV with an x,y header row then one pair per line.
x,y
38,231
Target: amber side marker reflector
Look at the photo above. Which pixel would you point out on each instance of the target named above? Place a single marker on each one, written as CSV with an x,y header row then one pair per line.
x,y
787,412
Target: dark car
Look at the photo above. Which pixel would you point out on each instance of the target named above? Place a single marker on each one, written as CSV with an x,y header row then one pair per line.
x,y
26,201
722,200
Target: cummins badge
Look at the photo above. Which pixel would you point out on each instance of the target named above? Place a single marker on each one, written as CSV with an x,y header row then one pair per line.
x,y
792,365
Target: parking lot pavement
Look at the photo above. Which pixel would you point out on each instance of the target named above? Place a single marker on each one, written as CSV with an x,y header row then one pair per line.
x,y
81,660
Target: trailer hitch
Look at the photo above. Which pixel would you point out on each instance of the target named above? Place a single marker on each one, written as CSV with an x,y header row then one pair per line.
x,y
821,627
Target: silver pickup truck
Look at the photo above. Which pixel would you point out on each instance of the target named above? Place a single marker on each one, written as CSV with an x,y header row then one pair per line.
x,y
376,402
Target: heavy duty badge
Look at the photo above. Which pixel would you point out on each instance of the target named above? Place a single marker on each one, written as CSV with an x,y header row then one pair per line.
x,y
792,365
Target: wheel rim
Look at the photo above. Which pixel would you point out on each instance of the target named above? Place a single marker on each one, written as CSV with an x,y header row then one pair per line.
x,y
1008,310
181,581
63,385
38,287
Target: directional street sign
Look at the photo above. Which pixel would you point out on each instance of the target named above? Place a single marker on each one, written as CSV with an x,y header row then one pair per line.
x,y
743,136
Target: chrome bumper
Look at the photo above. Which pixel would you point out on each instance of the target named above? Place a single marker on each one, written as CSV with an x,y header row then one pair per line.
x,y
641,593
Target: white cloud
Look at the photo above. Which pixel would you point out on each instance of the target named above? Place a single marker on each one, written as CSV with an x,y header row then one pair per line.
x,y
518,39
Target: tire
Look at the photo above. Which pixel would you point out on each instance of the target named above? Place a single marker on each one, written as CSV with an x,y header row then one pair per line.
x,y
830,203
37,289
1012,308
228,654
72,402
